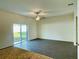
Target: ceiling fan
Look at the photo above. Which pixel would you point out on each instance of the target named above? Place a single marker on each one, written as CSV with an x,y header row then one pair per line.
x,y
38,14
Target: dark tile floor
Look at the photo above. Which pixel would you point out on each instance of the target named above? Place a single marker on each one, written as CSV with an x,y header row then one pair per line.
x,y
51,48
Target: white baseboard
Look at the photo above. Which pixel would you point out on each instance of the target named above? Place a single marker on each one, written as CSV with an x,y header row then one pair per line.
x,y
57,40
5,46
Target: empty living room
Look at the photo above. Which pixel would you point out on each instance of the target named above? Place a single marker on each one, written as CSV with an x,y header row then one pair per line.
x,y
39,29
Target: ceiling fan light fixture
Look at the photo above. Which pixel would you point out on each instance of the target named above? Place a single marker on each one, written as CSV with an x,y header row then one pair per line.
x,y
37,18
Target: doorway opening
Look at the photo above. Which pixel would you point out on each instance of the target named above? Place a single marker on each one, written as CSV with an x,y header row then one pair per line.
x,y
20,33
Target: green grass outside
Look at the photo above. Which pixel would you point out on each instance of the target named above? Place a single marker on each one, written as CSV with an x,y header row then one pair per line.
x,y
17,36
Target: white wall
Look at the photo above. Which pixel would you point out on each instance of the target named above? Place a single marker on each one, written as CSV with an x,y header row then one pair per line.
x,y
6,22
57,28
54,28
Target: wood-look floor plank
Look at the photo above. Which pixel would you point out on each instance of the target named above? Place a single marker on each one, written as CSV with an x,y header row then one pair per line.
x,y
16,53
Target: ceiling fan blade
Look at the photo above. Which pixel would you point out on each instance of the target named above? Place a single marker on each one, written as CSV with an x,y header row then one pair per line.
x,y
43,14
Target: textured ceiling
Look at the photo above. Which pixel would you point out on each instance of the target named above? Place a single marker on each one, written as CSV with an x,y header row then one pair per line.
x,y
21,6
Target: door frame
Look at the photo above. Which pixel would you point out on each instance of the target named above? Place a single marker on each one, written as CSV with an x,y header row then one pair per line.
x,y
27,28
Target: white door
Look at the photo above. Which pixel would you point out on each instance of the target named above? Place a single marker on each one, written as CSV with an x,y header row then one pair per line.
x,y
77,28
78,20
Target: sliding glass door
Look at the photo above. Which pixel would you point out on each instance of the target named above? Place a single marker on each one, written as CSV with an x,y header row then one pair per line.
x,y
23,33
20,33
